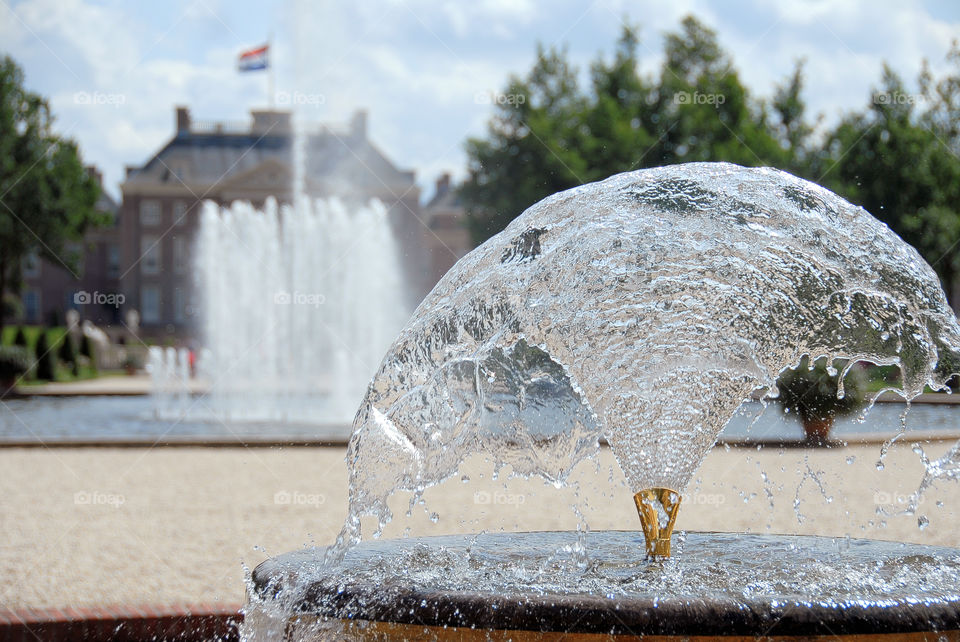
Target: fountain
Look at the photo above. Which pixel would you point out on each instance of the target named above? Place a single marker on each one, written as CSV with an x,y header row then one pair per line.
x,y
169,370
643,309
286,338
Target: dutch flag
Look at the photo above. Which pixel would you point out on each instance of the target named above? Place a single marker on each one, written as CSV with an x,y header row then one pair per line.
x,y
253,60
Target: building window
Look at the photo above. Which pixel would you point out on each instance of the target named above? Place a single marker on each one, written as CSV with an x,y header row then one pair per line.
x,y
180,257
31,265
150,304
179,306
113,261
150,258
179,213
31,306
150,212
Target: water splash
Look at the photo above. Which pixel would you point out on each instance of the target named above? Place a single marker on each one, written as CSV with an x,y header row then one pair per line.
x,y
946,468
645,309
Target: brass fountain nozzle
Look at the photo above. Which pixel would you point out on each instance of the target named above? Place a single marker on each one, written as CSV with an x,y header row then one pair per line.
x,y
657,535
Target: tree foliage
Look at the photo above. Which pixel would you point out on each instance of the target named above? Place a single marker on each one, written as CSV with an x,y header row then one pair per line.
x,y
548,134
900,160
47,197
899,157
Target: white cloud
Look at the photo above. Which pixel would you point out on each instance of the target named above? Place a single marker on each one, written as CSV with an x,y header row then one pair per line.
x,y
499,17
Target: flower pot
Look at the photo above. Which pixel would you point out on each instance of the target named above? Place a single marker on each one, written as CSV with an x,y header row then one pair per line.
x,y
817,430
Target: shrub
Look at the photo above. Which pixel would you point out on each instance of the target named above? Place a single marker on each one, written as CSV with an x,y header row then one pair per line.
x,y
11,306
20,338
811,394
67,351
46,359
14,362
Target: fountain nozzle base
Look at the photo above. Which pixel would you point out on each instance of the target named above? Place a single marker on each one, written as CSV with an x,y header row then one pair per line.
x,y
657,535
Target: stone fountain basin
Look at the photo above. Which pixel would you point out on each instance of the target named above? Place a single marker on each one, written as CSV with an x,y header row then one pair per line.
x,y
717,584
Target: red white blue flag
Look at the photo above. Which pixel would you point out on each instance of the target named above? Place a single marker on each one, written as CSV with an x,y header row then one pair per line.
x,y
253,60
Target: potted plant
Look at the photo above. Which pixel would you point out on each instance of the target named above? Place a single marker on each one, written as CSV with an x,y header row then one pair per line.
x,y
812,395
14,363
132,362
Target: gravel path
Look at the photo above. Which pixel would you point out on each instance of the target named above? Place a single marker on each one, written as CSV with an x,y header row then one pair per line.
x,y
85,526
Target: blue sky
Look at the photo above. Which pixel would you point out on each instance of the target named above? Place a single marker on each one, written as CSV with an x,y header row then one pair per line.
x,y
114,70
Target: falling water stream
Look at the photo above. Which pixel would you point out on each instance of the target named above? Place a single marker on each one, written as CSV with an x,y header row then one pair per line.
x,y
287,336
643,309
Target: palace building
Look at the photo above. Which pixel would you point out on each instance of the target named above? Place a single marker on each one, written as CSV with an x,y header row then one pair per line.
x,y
145,255
224,162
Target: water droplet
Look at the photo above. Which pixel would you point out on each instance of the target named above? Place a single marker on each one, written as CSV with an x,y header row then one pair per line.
x,y
851,459
922,522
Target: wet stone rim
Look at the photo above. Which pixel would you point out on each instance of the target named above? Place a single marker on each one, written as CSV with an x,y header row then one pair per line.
x,y
818,615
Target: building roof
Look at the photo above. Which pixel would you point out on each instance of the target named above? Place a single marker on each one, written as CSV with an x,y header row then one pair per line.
x,y
206,155
445,196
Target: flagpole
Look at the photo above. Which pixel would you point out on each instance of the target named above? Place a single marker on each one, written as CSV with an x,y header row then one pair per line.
x,y
270,72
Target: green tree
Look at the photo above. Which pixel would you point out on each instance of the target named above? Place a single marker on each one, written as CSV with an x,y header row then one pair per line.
x,y
555,136
45,191
899,160
704,110
791,128
620,114
532,147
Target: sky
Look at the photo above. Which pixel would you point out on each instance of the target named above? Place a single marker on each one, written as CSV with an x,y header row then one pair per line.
x,y
423,69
